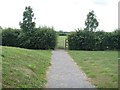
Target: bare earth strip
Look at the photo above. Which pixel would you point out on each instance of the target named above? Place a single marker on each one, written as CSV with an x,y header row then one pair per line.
x,y
64,73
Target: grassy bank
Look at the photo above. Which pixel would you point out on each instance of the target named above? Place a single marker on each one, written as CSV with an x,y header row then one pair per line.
x,y
100,66
61,42
24,68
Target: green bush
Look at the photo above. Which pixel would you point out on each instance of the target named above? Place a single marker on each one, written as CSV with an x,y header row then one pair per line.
x,y
72,41
87,40
46,38
79,40
42,38
100,40
10,37
106,40
24,41
115,37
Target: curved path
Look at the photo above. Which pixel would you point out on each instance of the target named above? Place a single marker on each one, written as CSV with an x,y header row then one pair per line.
x,y
64,73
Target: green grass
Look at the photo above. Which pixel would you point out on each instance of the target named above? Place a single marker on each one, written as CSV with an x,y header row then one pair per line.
x,y
0,69
61,42
100,66
24,68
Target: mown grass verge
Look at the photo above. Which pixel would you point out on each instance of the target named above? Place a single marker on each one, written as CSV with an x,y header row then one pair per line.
x,y
100,66
23,68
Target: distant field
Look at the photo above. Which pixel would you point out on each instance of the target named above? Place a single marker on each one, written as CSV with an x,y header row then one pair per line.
x,y
24,68
61,42
100,66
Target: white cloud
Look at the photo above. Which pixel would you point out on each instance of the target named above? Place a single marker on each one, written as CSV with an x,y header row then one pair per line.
x,y
100,2
62,14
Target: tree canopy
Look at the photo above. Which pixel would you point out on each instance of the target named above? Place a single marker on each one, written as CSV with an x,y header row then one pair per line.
x,y
91,22
28,24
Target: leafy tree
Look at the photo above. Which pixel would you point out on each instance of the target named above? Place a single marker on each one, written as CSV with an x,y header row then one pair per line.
x,y
91,22
28,24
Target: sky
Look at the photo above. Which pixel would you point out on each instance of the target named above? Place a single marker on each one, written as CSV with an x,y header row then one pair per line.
x,y
66,15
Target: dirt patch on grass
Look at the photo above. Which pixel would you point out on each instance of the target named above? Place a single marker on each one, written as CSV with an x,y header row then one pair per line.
x,y
26,71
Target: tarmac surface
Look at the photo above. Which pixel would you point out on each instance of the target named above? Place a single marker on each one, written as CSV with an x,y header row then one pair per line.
x,y
64,73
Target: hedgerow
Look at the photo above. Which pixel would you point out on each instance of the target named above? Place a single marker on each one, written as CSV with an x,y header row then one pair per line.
x,y
10,37
87,40
45,38
42,38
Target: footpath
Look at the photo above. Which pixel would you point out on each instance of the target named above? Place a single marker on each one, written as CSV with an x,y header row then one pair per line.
x,y
64,73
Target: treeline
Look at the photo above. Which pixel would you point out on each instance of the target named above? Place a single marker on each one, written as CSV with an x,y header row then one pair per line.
x,y
99,40
62,33
42,38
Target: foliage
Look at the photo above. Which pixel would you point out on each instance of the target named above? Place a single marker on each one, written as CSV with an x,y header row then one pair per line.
x,y
87,40
35,38
100,66
28,25
42,38
28,29
91,22
45,38
83,40
10,37
23,68
106,40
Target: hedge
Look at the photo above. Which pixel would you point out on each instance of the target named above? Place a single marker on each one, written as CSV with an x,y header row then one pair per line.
x,y
46,38
42,38
10,37
87,40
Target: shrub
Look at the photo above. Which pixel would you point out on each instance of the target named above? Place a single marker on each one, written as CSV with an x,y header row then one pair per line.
x,y
106,40
100,40
45,38
10,37
81,40
24,40
115,37
72,41
87,40
42,38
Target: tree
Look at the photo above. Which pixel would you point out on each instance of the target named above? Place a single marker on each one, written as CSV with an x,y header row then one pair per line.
x,y
28,25
91,22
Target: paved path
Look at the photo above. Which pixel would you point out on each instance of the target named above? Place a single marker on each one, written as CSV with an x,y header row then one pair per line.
x,y
64,73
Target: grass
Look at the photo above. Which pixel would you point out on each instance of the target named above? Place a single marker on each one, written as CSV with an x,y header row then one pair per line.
x,y
0,69
100,66
61,42
23,68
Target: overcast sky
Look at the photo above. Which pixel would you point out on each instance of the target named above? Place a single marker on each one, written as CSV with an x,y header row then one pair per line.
x,y
66,15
